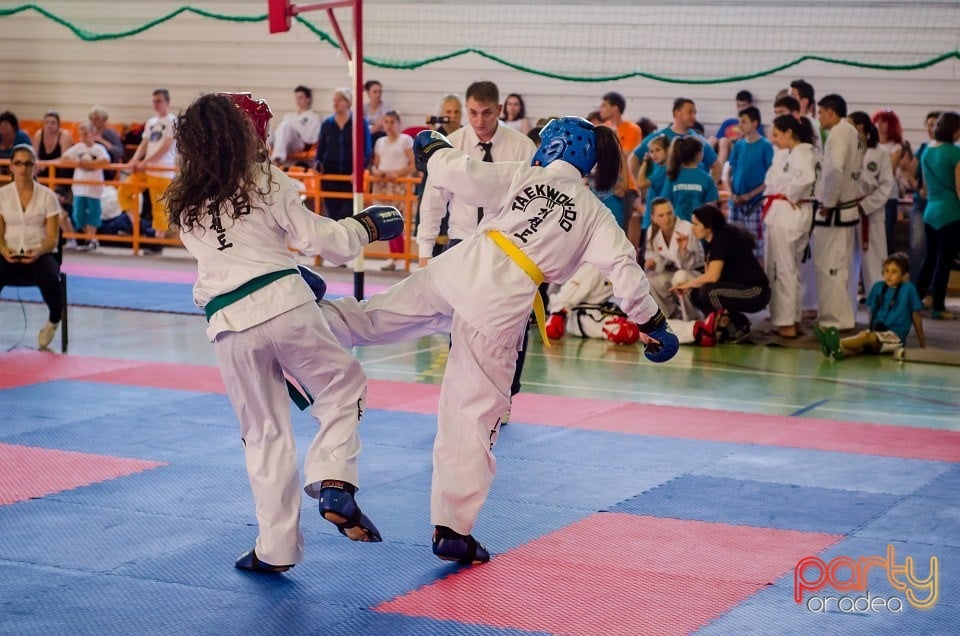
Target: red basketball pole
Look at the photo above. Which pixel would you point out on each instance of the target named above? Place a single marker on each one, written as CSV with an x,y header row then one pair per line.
x,y
279,14
359,130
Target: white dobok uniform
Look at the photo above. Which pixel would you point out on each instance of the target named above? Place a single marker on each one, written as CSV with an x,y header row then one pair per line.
x,y
484,298
274,330
294,133
508,145
876,182
672,267
789,190
835,224
582,297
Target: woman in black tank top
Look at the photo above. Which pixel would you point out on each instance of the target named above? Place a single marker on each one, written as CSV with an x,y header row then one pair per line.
x,y
50,142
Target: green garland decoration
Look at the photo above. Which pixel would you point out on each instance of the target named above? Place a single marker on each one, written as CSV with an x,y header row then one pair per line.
x,y
89,36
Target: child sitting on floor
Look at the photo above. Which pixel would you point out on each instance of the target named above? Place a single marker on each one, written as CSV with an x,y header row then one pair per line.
x,y
894,306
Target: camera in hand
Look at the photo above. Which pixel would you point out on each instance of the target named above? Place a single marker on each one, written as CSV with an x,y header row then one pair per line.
x,y
433,121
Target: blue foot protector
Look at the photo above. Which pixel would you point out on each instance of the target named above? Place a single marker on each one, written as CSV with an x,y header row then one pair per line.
x,y
251,563
452,546
338,506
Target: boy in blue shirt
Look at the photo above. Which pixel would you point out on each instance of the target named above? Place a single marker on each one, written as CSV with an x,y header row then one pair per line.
x,y
894,307
749,161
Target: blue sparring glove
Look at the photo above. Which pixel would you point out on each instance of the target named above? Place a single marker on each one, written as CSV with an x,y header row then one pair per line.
x,y
314,280
382,222
425,144
669,344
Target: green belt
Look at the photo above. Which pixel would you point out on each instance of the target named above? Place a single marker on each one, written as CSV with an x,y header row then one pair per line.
x,y
300,398
225,300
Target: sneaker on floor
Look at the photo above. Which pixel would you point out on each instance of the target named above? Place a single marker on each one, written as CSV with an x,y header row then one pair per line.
x,y
829,340
821,337
46,334
389,267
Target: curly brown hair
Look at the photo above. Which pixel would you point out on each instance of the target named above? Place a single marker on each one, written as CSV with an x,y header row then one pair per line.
x,y
220,155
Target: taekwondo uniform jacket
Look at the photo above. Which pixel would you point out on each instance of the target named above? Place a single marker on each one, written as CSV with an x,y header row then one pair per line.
x,y
839,183
793,174
231,252
553,218
508,145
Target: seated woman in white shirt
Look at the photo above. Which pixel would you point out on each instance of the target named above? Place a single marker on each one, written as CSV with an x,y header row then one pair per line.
x,y
29,217
673,257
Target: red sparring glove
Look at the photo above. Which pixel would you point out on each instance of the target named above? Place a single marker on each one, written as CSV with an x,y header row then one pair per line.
x,y
620,330
705,331
557,325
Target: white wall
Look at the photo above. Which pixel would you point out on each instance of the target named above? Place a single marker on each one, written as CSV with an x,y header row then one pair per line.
x,y
45,66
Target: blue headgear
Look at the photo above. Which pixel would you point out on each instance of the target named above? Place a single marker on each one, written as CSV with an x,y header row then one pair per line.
x,y
572,139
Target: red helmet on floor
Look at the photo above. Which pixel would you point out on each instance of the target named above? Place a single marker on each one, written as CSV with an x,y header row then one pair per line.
x,y
620,330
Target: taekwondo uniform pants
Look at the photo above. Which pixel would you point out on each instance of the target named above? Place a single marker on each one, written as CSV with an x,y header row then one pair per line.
x,y
252,363
832,257
287,141
474,394
784,251
872,254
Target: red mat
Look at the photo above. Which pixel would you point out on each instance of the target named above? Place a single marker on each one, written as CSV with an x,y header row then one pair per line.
x,y
31,367
680,576
29,473
22,368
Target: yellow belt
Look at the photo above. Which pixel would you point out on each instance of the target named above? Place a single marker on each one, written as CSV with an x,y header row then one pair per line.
x,y
517,256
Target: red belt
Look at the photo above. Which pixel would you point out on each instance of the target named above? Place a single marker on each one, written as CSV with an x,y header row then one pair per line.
x,y
768,200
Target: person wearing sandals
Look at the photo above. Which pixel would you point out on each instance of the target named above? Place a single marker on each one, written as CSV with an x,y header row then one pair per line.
x,y
734,282
894,307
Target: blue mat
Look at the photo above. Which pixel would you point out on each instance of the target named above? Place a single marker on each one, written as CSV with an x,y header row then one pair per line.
x,y
765,505
113,557
176,298
113,293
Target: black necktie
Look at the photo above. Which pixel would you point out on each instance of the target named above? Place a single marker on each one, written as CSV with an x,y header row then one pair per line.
x,y
486,151
487,157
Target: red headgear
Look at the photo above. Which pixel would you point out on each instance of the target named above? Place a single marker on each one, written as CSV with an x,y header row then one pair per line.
x,y
620,330
256,109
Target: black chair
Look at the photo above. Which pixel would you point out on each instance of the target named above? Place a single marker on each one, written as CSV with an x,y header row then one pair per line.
x,y
64,329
